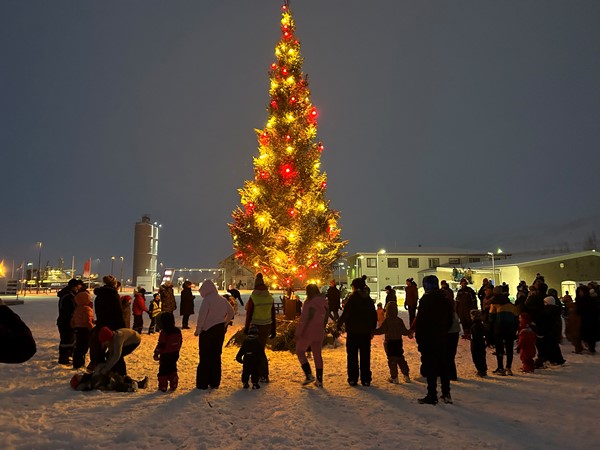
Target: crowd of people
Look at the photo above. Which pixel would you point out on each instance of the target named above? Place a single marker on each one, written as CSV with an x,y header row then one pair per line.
x,y
487,318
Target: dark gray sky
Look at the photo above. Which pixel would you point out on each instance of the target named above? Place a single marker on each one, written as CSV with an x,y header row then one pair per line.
x,y
445,123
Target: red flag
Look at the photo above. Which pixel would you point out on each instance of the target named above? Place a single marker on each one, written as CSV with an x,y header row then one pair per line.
x,y
86,268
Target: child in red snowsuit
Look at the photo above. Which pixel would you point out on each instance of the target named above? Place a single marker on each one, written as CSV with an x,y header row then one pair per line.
x,y
526,345
167,352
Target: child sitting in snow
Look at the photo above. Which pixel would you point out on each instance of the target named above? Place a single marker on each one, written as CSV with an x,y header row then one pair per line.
x,y
380,314
478,343
106,382
250,355
526,343
393,327
167,352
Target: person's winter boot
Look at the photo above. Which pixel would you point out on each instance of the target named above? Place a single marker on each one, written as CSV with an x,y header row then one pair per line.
x,y
143,383
447,398
63,356
319,381
393,380
309,376
406,378
255,386
428,400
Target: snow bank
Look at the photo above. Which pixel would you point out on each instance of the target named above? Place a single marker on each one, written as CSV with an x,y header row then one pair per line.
x,y
553,408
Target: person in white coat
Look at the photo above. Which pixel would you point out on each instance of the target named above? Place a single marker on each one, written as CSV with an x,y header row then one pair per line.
x,y
214,316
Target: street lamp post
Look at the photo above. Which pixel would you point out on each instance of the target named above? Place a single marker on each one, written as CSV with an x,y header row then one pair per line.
x,y
121,279
340,265
494,265
112,265
380,252
356,264
39,270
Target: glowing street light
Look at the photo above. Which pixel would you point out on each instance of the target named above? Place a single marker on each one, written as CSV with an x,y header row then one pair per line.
x,y
112,265
39,270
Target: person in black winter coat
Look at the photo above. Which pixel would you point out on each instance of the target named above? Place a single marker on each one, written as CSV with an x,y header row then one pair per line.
x,y
360,319
186,304
587,309
250,355
66,307
478,343
236,294
433,321
109,313
549,329
16,341
334,300
466,300
390,295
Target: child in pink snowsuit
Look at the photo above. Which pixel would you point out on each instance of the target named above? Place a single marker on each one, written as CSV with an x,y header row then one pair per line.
x,y
310,332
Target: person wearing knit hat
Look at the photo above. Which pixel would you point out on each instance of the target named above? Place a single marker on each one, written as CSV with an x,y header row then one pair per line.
x,y
250,356
390,295
66,307
105,335
526,343
551,328
504,320
260,311
466,300
478,343
120,343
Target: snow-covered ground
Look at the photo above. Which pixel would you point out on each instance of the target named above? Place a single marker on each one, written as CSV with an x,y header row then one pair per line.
x,y
553,408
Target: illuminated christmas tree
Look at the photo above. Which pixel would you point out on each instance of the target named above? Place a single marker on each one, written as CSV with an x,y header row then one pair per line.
x,y
284,226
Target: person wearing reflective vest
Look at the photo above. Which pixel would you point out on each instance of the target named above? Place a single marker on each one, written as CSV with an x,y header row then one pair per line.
x,y
261,312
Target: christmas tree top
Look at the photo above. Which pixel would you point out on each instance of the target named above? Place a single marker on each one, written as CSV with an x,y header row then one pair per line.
x,y
284,227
